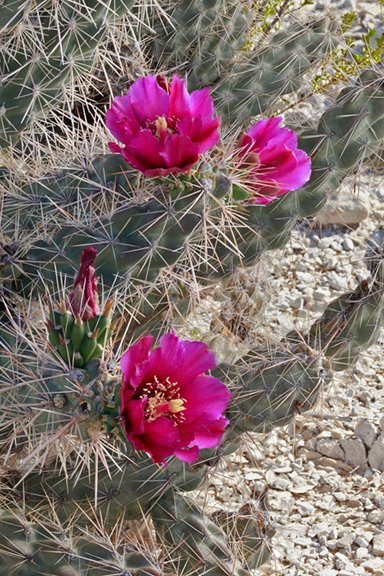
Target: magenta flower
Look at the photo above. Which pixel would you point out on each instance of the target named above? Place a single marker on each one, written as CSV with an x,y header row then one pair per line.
x,y
168,405
83,300
273,163
163,128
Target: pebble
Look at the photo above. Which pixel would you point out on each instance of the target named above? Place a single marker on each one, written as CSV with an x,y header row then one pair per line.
x,y
374,565
337,282
361,553
280,501
305,508
348,244
345,208
378,544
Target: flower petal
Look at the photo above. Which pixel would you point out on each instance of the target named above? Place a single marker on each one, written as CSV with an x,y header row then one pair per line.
x,y
144,151
290,169
179,152
187,454
181,360
164,129
132,417
160,439
275,165
134,357
267,129
120,119
215,394
148,100
210,435
179,99
201,104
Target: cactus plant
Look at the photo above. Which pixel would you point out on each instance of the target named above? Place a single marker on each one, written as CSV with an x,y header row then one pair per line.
x,y
88,449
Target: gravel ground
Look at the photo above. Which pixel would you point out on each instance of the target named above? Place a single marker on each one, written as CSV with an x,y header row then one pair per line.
x,y
322,478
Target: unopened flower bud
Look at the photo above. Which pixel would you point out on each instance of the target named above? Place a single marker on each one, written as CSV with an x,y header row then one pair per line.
x,y
83,300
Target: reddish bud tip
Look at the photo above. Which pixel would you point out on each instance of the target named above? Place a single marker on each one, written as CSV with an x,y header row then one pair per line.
x,y
83,300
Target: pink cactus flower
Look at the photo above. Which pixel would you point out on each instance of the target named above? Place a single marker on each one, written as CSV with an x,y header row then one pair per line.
x,y
162,127
83,300
273,163
169,406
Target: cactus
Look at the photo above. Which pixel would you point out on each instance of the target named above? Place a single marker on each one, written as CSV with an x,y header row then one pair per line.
x,y
77,472
64,44
268,73
194,542
35,547
200,36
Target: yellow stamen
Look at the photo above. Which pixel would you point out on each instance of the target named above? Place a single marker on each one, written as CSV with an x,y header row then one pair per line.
x,y
161,124
175,406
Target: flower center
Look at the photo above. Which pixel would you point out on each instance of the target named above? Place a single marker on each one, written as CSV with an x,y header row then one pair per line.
x,y
163,399
163,126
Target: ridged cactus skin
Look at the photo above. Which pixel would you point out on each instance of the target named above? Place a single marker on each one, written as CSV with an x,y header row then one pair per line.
x,y
349,132
36,547
138,240
101,183
7,339
79,341
35,73
195,544
260,77
270,393
200,36
207,40
11,13
250,529
350,324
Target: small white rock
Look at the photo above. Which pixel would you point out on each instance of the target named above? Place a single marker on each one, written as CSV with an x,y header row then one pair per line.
x,y
348,244
378,544
279,501
374,565
327,503
345,208
305,508
361,553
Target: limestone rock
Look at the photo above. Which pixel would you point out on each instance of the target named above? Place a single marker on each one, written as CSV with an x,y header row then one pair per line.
x,y
378,544
330,448
346,207
354,453
366,432
376,455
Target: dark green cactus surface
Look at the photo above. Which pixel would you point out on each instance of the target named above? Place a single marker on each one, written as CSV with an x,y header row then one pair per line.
x,y
35,73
